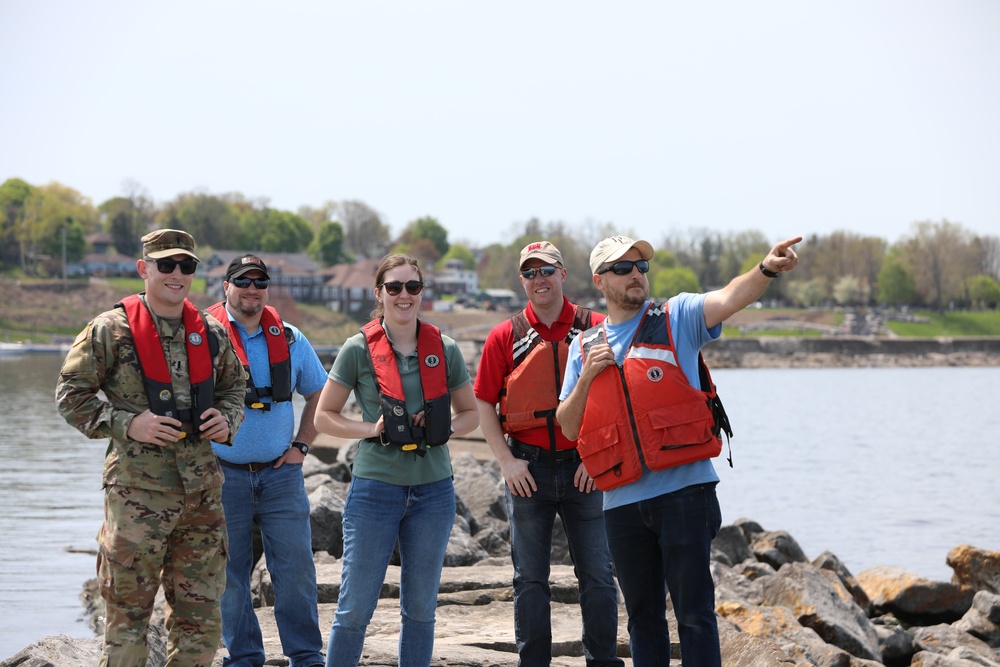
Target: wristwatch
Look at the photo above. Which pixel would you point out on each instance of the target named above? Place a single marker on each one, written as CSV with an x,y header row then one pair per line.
x,y
301,446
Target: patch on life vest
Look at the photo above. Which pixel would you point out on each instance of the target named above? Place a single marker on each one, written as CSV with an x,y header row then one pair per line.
x,y
273,330
194,338
165,395
397,410
432,360
654,374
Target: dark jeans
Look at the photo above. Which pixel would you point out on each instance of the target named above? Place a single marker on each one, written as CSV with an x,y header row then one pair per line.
x,y
531,522
664,544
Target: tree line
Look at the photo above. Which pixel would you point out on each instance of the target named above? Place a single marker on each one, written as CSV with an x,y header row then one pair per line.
x,y
939,264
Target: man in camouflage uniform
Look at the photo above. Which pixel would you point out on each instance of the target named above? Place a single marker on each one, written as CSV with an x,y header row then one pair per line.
x,y
163,516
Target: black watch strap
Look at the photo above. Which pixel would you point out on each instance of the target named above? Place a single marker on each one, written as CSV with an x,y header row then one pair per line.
x,y
301,446
767,272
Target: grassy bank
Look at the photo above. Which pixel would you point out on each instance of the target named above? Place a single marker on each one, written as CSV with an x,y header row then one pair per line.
x,y
49,311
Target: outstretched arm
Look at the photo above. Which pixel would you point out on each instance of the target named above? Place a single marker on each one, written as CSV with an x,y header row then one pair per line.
x,y
743,290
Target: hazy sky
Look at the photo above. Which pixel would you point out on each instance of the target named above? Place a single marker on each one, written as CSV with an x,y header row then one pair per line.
x,y
787,116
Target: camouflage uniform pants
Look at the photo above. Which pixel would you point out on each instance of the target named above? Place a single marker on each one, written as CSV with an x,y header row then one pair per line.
x,y
149,537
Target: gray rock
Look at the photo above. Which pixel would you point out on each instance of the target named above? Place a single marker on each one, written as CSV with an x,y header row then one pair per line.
x,y
777,547
731,546
326,517
983,619
976,568
828,561
820,601
943,639
894,642
914,599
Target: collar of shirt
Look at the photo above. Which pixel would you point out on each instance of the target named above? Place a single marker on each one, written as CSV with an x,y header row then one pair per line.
x,y
559,329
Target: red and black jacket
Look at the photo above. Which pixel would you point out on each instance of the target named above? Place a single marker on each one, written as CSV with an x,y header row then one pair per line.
x,y
279,356
202,347
399,428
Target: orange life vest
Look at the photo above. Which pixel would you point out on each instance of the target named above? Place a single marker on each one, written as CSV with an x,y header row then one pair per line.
x,y
530,393
645,412
201,347
399,428
278,356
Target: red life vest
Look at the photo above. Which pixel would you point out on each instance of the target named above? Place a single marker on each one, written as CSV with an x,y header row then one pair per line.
x,y
530,393
645,412
399,428
278,355
153,363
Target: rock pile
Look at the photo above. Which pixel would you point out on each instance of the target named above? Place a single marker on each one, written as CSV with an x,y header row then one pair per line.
x,y
775,606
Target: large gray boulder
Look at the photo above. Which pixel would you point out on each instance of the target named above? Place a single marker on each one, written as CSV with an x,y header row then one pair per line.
x,y
820,601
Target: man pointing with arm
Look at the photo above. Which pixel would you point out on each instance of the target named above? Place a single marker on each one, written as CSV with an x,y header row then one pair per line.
x,y
647,429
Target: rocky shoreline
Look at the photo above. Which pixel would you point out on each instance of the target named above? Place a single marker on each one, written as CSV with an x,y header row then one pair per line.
x,y
775,606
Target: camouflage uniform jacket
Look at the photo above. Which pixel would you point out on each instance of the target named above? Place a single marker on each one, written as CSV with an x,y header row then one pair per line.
x,y
103,358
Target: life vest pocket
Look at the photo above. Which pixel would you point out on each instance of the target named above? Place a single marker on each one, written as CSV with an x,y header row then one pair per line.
x,y
682,424
602,452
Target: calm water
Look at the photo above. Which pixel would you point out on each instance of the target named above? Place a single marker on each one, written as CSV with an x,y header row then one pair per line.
x,y
879,466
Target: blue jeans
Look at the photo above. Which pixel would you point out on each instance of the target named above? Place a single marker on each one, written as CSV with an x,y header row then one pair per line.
x,y
531,522
376,514
664,544
275,500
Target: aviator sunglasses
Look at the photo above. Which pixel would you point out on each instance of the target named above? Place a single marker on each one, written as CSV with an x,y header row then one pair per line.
x,y
624,267
167,265
544,271
243,283
413,287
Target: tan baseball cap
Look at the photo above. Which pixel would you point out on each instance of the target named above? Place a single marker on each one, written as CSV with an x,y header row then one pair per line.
x,y
542,250
167,242
613,247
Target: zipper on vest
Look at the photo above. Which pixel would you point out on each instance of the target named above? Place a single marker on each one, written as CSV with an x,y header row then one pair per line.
x,y
631,415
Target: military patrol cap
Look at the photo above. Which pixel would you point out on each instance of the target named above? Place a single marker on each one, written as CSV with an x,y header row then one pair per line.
x,y
166,243
245,264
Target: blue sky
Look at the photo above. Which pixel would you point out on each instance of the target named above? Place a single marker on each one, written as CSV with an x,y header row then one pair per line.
x,y
784,116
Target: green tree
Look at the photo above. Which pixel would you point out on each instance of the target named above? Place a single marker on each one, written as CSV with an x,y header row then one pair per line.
x,y
328,246
52,211
981,291
14,196
850,291
940,256
895,285
210,219
672,281
271,230
128,218
365,235
808,293
462,254
430,229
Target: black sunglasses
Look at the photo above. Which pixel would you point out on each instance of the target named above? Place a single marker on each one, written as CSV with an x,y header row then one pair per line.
x,y
545,271
624,267
243,283
168,265
413,287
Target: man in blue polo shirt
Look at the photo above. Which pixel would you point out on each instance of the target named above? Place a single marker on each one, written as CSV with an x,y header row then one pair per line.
x,y
264,484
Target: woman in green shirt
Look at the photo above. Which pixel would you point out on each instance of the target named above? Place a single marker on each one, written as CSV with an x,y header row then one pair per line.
x,y
400,490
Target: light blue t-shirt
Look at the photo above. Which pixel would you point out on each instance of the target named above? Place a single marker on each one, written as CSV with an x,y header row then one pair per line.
x,y
687,325
264,436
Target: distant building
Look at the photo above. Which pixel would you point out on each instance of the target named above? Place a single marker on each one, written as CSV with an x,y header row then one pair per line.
x,y
454,279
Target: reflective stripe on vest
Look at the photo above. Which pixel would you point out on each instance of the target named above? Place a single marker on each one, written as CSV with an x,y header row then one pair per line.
x,y
278,355
399,428
530,394
156,378
645,412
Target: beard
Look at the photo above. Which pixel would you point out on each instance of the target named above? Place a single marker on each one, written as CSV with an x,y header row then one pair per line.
x,y
246,310
626,299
